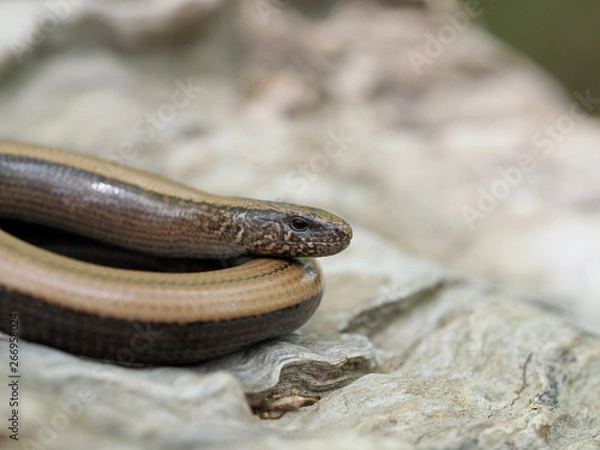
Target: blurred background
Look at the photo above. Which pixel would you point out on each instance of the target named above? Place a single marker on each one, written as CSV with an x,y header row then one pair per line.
x,y
461,132
561,37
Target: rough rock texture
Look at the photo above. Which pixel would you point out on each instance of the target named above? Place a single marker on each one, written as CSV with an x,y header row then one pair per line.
x,y
427,359
403,117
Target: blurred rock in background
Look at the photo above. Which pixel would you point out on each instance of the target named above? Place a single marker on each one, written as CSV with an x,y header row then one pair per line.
x,y
409,119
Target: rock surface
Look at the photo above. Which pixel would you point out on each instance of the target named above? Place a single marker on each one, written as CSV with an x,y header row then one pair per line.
x,y
338,105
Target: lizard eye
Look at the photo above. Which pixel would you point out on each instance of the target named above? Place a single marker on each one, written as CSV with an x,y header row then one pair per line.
x,y
299,224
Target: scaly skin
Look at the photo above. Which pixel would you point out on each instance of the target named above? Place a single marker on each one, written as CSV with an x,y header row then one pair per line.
x,y
97,311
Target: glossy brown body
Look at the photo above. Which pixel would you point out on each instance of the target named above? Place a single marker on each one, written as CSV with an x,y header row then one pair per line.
x,y
150,317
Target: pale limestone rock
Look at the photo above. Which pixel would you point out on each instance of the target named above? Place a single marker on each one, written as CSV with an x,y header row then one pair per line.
x,y
426,357
263,99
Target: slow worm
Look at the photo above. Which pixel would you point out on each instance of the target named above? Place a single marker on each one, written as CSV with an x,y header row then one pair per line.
x,y
148,317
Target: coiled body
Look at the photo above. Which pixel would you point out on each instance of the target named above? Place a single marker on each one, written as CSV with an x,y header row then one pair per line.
x,y
132,316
